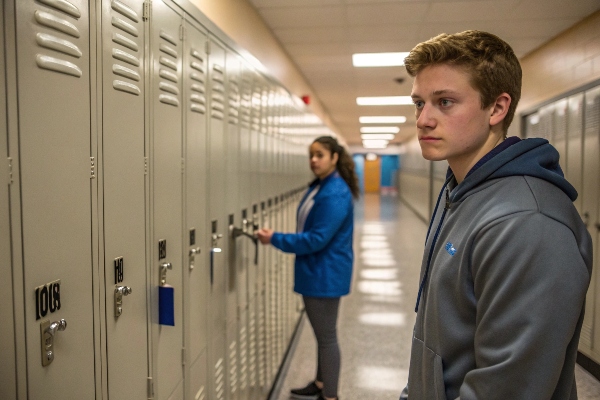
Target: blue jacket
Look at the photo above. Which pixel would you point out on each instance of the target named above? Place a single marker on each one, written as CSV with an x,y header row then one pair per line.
x,y
324,255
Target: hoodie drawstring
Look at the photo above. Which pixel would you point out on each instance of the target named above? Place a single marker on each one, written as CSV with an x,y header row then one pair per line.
x,y
437,232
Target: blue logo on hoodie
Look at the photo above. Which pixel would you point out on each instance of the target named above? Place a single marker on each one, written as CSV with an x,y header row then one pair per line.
x,y
450,249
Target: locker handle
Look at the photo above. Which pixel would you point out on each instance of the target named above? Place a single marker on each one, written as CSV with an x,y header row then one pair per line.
x,y
193,253
163,272
237,232
48,331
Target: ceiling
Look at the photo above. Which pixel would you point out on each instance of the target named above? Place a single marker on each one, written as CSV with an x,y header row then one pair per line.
x,y
320,37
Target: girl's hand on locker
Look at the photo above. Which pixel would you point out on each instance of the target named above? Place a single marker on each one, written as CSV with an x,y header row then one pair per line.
x,y
264,235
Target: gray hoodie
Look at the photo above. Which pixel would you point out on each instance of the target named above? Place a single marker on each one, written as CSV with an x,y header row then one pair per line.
x,y
506,267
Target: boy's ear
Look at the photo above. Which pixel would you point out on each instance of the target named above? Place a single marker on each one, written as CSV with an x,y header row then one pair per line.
x,y
500,109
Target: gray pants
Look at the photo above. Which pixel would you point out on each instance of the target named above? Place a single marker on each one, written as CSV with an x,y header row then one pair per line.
x,y
322,314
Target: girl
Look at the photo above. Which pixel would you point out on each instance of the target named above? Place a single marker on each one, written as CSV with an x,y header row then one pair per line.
x,y
323,248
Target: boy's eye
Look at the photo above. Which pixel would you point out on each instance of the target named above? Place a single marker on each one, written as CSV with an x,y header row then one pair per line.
x,y
446,102
419,104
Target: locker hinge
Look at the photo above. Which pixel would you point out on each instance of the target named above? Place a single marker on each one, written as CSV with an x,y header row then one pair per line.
x,y
150,388
181,32
146,15
183,165
207,47
93,167
10,171
183,356
145,165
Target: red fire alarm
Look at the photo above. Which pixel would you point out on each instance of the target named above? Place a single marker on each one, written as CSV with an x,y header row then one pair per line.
x,y
306,99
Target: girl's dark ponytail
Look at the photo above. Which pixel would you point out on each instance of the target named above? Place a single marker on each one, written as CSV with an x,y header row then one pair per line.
x,y
345,164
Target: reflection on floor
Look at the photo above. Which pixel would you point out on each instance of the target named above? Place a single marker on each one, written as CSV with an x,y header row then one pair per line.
x,y
376,320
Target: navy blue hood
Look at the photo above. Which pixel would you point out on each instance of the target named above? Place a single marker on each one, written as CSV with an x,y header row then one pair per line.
x,y
530,157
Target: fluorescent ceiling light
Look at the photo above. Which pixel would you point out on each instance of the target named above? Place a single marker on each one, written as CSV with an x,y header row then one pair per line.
x,y
378,59
384,101
375,144
382,120
379,129
377,136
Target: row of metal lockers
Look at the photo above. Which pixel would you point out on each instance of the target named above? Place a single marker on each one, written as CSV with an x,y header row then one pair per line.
x,y
572,124
142,151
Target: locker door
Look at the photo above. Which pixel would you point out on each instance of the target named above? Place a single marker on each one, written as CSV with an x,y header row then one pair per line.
x,y
197,241
8,367
233,255
167,199
218,219
246,336
124,198
591,184
55,149
559,139
574,145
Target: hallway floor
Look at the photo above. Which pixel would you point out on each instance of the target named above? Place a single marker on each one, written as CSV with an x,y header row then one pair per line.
x,y
377,318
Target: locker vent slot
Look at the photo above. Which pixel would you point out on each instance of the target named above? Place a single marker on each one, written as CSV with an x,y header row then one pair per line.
x,y
61,45
233,378
168,38
126,87
169,73
252,349
218,87
218,75
125,57
586,334
124,26
197,101
201,394
163,73
55,64
262,349
243,358
167,87
59,24
125,10
197,77
168,50
125,42
219,380
234,102
126,72
196,98
197,66
197,88
122,55
199,108
64,6
197,55
170,100
218,106
168,63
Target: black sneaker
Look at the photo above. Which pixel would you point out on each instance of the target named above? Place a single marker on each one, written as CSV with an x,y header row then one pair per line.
x,y
321,397
310,391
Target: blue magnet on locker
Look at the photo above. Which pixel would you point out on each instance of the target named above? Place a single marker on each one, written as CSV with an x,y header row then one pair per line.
x,y
166,305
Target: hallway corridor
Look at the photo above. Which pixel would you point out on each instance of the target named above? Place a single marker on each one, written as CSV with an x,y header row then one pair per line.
x,y
377,318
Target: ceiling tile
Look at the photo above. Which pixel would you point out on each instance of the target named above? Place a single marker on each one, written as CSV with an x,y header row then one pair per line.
x,y
311,35
386,13
463,11
303,17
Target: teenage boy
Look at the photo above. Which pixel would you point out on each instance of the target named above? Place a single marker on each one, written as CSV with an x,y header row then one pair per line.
x,y
507,260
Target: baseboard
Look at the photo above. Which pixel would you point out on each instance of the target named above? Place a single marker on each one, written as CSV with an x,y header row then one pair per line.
x,y
589,365
287,359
